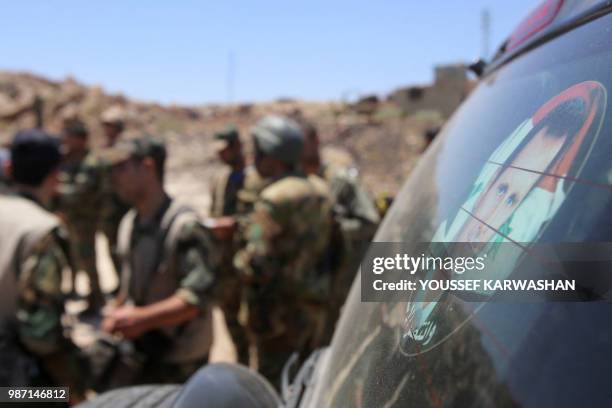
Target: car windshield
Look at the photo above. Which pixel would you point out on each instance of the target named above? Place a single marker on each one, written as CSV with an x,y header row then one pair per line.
x,y
525,159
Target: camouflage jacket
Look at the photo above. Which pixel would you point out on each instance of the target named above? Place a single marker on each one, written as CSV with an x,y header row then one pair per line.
x,y
353,206
32,259
253,185
112,208
355,222
80,189
287,235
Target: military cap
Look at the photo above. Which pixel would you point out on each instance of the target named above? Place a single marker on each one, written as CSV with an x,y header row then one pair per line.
x,y
34,155
279,137
226,137
141,147
115,115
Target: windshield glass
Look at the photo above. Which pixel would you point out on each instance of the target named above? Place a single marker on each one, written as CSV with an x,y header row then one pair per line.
x,y
526,159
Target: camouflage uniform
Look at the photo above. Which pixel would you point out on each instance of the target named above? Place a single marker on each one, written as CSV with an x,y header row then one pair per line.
x,y
229,289
78,200
253,185
287,235
112,210
112,207
167,256
230,293
31,303
355,221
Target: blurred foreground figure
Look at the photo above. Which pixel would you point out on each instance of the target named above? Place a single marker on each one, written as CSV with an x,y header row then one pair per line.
x,y
355,221
286,238
224,210
112,207
166,280
33,349
78,202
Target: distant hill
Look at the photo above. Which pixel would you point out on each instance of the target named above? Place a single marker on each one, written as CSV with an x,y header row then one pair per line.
x,y
378,137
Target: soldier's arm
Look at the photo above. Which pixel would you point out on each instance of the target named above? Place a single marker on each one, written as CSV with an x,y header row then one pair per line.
x,y
40,308
255,260
193,294
196,263
40,303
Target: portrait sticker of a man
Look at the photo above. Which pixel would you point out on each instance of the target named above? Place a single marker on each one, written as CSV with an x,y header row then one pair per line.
x,y
526,179
517,192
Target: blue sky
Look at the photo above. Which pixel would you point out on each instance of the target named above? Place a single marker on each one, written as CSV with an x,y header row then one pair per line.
x,y
179,51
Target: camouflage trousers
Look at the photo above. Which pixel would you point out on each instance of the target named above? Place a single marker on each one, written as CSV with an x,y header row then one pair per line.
x,y
229,295
230,301
301,333
82,237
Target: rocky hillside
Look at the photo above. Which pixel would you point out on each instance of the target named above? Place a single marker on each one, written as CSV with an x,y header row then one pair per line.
x,y
377,137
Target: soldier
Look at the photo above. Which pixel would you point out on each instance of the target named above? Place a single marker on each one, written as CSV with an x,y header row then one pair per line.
x,y
113,123
236,189
112,207
225,188
286,235
355,221
166,281
33,348
224,209
78,203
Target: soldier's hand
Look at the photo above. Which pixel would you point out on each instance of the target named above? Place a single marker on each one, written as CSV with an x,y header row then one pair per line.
x,y
126,321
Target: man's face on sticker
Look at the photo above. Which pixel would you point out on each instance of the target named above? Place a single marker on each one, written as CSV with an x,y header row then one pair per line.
x,y
510,187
